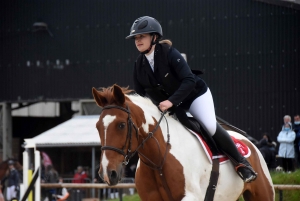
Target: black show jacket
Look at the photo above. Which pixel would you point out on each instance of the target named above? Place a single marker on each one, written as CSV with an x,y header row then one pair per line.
x,y
171,80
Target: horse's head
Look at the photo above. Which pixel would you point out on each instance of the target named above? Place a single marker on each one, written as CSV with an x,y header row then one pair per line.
x,y
117,130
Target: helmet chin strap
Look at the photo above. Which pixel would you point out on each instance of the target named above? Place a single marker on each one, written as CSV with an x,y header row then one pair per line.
x,y
151,44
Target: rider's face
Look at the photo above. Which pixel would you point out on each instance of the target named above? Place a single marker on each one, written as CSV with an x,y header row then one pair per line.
x,y
142,42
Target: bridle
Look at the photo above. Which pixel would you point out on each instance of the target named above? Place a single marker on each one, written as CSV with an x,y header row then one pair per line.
x,y
129,154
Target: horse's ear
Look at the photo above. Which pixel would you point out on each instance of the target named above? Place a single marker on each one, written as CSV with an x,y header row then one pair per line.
x,y
100,100
118,94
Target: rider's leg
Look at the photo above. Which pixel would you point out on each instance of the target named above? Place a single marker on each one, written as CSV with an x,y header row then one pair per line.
x,y
242,166
203,110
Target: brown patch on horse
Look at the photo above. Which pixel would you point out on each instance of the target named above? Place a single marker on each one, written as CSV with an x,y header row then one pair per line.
x,y
260,188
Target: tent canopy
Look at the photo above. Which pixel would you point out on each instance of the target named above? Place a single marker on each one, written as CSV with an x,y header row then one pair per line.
x,y
78,131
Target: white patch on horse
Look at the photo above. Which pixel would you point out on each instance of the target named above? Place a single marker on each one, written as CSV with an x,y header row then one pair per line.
x,y
106,122
148,107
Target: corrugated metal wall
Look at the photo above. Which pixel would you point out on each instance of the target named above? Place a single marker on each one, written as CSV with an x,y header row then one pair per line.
x,y
249,51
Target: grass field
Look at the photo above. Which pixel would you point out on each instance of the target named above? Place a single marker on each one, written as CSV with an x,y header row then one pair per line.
x,y
277,177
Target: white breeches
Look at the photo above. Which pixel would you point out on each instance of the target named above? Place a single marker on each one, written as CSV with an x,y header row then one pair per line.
x,y
11,193
202,109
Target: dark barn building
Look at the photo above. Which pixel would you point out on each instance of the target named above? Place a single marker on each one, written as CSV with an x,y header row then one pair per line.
x,y
58,50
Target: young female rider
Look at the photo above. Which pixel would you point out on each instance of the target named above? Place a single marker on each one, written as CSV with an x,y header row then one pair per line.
x,y
161,73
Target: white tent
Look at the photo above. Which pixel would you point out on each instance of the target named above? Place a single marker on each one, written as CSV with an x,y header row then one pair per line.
x,y
78,131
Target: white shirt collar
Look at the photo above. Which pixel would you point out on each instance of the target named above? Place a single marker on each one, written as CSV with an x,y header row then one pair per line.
x,y
150,59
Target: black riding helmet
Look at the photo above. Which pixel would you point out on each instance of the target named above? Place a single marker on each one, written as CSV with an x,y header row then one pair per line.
x,y
144,25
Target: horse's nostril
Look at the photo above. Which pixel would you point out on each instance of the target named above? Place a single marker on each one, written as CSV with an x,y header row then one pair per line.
x,y
113,174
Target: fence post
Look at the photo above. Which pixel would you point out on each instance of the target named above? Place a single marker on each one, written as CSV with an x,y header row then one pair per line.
x,y
121,194
280,195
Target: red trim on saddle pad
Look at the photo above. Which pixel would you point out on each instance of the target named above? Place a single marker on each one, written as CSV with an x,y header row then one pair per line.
x,y
242,148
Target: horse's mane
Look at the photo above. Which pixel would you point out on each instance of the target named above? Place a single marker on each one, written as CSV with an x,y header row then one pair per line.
x,y
144,103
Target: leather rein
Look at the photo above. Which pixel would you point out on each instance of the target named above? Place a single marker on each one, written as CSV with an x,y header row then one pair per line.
x,y
129,154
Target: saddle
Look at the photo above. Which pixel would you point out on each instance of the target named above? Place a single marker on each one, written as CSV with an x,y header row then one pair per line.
x,y
194,125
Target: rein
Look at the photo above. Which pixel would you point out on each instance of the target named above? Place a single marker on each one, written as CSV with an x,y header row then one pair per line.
x,y
129,154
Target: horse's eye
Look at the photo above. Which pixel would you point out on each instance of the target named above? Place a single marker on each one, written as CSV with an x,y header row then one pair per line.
x,y
121,125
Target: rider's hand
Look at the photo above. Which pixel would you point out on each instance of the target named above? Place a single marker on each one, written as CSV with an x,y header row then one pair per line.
x,y
165,105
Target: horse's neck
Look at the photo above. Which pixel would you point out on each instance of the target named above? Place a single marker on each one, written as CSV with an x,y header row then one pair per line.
x,y
154,148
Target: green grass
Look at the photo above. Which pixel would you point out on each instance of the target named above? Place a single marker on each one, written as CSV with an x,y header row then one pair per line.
x,y
285,178
277,177
134,197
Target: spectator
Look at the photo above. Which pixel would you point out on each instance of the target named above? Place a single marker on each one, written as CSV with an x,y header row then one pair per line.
x,y
267,148
13,184
62,193
267,142
80,175
286,149
296,128
51,176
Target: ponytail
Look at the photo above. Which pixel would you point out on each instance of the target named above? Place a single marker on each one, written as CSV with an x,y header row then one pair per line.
x,y
166,41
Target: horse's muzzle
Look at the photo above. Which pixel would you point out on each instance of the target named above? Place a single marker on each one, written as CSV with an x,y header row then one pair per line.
x,y
112,177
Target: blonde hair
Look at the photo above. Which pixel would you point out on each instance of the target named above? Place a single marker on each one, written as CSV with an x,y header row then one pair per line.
x,y
167,41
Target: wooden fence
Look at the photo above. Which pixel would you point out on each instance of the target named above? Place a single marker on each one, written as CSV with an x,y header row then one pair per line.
x,y
278,187
132,185
85,185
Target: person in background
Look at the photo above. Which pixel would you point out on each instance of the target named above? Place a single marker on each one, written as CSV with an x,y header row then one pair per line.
x,y
296,128
267,147
286,149
80,175
13,184
51,176
61,193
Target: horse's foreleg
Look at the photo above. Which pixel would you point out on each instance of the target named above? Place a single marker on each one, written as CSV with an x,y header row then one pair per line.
x,y
146,185
149,195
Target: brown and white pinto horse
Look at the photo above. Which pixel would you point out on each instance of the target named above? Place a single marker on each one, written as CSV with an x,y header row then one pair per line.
x,y
178,170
